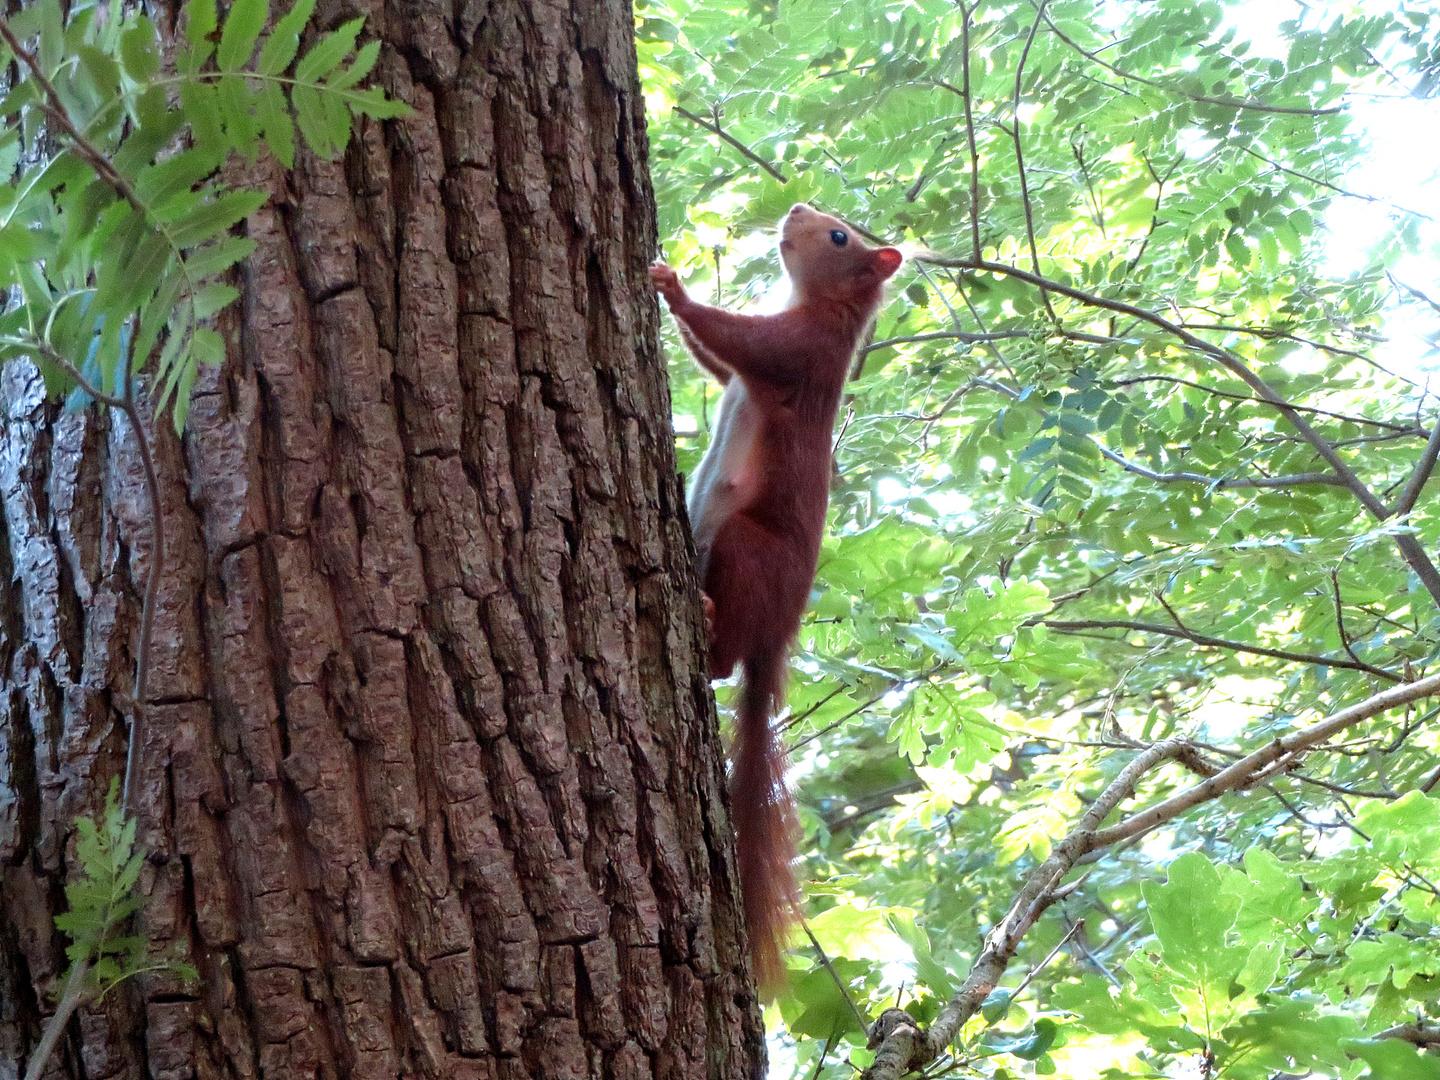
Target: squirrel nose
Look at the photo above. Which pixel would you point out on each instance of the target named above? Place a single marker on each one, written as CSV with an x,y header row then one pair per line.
x,y
798,207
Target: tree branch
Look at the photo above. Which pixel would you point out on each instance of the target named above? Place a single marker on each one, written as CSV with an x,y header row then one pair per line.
x,y
1020,155
1397,429
715,129
1186,634
1229,102
1410,549
1295,480
970,132
57,114
69,1001
901,1046
1419,1034
1326,184
1258,765
1423,468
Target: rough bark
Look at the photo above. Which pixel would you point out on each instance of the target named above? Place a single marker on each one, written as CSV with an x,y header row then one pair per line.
x,y
431,784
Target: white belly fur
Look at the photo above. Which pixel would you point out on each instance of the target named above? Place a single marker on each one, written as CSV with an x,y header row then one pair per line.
x,y
727,478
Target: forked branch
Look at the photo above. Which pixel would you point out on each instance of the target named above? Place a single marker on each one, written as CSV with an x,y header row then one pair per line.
x,y
901,1046
1409,548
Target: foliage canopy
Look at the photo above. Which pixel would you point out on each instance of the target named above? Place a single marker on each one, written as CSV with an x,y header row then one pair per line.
x,y
1125,462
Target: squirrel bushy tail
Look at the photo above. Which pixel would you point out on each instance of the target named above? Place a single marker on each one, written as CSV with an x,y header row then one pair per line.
x,y
764,816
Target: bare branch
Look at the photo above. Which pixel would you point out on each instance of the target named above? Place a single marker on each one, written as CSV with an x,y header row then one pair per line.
x,y
70,1000
1020,155
902,1046
1250,769
1414,293
1186,634
1325,183
1221,482
970,133
1160,182
947,335
834,975
1267,333
713,126
1229,102
1420,1035
1029,975
1409,547
1398,429
873,803
1424,467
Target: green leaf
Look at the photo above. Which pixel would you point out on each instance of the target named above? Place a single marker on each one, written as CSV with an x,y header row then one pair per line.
x,y
372,102
199,25
284,40
273,113
215,218
138,50
310,116
327,53
102,70
202,109
338,122
1191,917
213,297
177,173
243,23
1392,1059
364,61
219,255
236,102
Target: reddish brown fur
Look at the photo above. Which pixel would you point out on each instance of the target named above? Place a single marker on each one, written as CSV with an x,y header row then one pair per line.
x,y
757,505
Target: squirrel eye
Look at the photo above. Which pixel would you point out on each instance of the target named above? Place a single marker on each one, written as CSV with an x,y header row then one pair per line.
x,y
838,237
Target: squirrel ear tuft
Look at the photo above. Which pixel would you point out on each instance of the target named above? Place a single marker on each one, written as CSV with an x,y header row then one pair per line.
x,y
887,261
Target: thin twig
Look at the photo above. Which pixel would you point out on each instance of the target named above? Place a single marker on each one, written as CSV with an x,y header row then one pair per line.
x,y
1251,767
1079,926
825,1053
1186,634
902,1046
1410,548
1421,473
839,984
1020,155
55,111
965,14
1221,482
55,1026
1228,102
1396,429
1326,184
715,129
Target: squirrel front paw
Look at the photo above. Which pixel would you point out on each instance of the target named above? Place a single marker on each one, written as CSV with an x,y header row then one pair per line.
x,y
708,607
667,282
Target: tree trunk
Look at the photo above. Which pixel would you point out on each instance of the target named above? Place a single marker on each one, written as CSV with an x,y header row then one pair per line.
x,y
431,780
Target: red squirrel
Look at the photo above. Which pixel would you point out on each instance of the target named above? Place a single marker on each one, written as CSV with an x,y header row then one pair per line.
x,y
757,508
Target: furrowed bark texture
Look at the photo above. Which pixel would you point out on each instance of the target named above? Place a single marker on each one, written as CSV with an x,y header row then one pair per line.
x,y
431,781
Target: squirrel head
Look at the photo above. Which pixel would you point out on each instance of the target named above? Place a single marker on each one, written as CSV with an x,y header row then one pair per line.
x,y
825,258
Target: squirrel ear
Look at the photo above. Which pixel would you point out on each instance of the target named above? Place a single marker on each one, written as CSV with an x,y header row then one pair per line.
x,y
887,261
